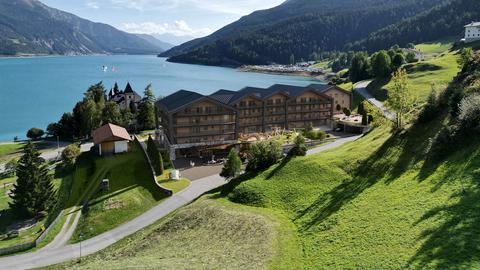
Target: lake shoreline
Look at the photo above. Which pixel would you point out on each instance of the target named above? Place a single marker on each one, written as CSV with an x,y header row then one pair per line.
x,y
314,76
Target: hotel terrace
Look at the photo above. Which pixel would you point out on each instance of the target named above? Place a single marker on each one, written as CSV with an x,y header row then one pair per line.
x,y
189,120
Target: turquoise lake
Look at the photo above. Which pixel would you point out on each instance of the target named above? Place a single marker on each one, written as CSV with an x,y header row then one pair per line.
x,y
37,91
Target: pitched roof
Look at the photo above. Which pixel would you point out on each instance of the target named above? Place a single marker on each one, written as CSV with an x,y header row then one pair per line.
x,y
320,87
473,24
179,99
290,90
128,89
223,96
248,91
108,132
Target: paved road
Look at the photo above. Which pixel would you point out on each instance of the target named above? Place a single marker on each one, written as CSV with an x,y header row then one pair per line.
x,y
361,88
54,154
55,253
334,144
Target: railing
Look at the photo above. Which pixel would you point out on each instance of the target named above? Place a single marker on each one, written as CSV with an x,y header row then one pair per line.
x,y
204,123
204,133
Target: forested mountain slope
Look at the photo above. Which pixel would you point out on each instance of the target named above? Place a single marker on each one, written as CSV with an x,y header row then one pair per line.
x,y
297,28
442,21
30,27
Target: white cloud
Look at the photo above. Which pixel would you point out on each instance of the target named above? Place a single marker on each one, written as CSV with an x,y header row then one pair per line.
x,y
179,28
238,7
93,4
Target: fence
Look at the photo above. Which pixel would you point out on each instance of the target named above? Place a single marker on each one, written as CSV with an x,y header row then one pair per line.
x,y
152,170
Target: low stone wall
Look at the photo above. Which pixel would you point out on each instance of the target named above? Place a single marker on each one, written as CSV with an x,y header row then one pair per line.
x,y
152,170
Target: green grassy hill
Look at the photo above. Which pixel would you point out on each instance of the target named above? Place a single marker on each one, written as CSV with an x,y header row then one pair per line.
x,y
386,201
439,70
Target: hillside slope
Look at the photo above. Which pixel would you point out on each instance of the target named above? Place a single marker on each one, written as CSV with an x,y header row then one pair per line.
x,y
442,21
298,28
30,27
391,200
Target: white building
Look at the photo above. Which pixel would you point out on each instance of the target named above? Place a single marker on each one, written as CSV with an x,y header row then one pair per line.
x,y
472,32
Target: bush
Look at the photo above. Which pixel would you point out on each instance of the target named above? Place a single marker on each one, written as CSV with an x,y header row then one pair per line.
x,y
247,196
469,114
262,155
233,166
155,156
300,149
431,109
70,155
347,111
35,133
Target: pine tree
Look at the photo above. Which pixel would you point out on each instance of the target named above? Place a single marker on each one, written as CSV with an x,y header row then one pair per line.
x,y
146,109
155,157
33,191
233,166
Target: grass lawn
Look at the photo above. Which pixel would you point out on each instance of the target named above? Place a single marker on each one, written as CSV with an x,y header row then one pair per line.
x,y
436,47
132,191
439,70
173,185
208,234
321,64
8,151
347,86
8,218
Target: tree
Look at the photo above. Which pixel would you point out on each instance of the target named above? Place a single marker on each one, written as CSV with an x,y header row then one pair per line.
x,y
35,133
411,57
146,110
53,129
364,118
381,64
397,61
292,59
411,46
361,108
68,128
232,166
431,109
10,168
87,117
400,98
111,113
70,155
300,148
359,67
263,155
155,156
33,192
465,55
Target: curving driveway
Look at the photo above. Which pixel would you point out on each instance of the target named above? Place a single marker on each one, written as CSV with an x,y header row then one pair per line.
x,y
60,252
361,88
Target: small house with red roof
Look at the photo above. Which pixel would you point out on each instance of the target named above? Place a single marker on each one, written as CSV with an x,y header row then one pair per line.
x,y
111,139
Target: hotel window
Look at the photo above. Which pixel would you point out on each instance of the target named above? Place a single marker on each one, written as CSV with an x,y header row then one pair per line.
x,y
219,109
243,104
252,103
278,101
270,102
199,110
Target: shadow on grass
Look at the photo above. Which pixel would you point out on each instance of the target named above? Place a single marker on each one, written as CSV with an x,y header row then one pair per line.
x,y
455,243
377,90
398,154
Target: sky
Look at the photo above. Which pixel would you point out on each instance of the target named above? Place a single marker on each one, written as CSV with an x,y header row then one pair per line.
x,y
173,21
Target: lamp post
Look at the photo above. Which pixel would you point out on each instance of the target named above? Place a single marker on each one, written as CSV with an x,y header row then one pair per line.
x,y
81,238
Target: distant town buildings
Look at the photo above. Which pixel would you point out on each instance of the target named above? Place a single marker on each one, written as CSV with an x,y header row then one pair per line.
x,y
472,32
124,98
189,119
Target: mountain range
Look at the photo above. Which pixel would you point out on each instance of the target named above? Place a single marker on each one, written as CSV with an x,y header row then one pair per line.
x,y
30,27
302,29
